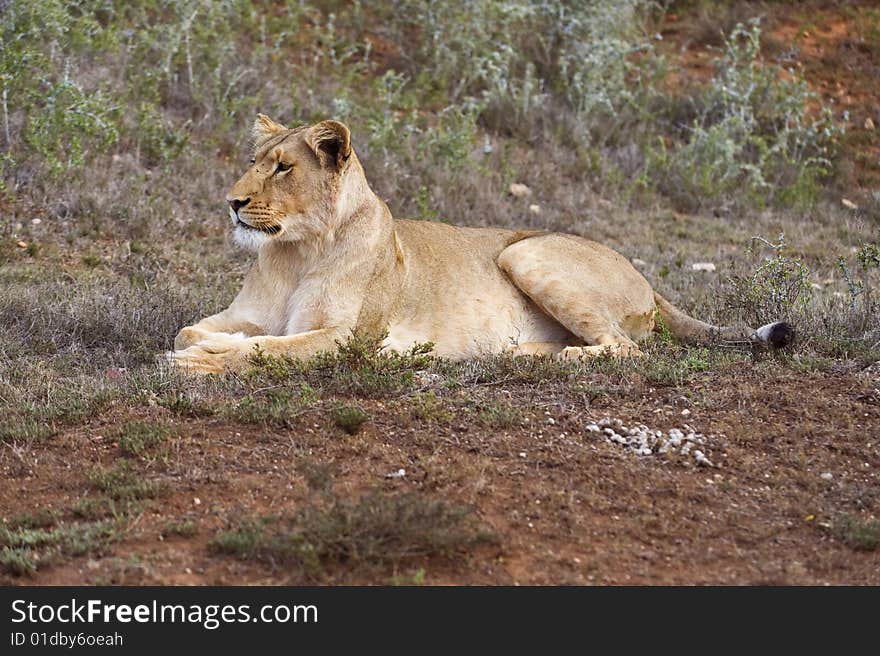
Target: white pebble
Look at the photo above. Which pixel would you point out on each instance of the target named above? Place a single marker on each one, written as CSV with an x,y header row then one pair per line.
x,y
519,190
644,441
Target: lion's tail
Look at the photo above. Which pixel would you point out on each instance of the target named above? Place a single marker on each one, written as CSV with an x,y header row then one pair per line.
x,y
688,329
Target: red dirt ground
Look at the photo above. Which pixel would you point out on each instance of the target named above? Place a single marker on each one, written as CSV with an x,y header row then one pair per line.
x,y
574,510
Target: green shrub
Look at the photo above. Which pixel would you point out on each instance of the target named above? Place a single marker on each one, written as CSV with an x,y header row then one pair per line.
x,y
278,406
123,483
349,418
71,121
753,141
25,550
778,289
359,366
858,533
138,437
583,75
377,530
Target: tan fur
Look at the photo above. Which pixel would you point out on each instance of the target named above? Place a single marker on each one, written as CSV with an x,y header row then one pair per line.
x,y
332,260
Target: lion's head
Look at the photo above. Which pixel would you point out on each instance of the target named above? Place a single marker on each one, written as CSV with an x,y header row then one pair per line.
x,y
294,186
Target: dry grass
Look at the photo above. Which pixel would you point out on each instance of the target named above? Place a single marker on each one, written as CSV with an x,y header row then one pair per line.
x,y
361,536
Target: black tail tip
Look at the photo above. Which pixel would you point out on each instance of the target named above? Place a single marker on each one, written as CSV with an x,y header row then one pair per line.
x,y
776,335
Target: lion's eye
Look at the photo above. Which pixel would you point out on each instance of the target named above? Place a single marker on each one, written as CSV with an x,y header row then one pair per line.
x,y
282,167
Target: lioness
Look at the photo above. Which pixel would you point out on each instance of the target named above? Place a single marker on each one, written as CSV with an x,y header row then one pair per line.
x,y
332,260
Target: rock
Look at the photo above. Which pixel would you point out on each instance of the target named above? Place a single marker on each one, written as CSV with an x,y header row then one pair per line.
x,y
535,209
702,266
641,264
847,203
36,221
826,476
427,378
400,473
869,124
519,190
21,244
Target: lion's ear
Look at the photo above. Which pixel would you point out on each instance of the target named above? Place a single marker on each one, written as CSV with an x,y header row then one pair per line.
x,y
265,127
331,142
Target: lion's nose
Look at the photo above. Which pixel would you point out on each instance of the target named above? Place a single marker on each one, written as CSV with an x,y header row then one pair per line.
x,y
237,203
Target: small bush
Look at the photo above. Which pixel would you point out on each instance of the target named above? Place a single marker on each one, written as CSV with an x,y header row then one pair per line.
x,y
184,528
349,418
26,549
18,561
753,141
532,369
138,437
37,408
860,534
40,518
319,475
359,367
376,531
495,414
276,406
430,407
123,483
779,289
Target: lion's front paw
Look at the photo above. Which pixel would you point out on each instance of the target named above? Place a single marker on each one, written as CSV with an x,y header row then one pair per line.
x,y
189,336
209,356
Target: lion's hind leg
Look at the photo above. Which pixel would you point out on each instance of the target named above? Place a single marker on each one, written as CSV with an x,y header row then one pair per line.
x,y
621,349
589,289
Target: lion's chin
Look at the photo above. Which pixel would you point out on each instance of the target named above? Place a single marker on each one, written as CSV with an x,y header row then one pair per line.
x,y
248,238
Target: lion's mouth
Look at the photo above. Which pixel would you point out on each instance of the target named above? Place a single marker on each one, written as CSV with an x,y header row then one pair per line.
x,y
268,229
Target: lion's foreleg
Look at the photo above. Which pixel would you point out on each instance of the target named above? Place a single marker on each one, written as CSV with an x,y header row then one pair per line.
x,y
217,353
223,323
